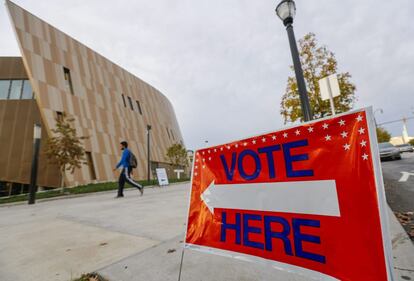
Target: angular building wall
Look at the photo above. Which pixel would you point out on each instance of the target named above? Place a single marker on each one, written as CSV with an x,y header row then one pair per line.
x,y
108,103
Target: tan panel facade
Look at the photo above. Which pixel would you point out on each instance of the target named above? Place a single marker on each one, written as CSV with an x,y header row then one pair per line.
x,y
69,77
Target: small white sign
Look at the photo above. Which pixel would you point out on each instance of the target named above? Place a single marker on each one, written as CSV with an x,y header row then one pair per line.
x,y
178,172
329,87
162,176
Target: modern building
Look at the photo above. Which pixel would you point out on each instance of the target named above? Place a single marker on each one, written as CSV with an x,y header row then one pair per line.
x,y
57,74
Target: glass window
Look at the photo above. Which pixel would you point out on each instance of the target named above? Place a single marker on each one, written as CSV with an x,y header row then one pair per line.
x,y
123,99
27,93
4,89
15,89
130,103
68,79
139,107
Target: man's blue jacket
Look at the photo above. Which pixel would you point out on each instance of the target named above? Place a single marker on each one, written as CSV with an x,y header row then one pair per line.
x,y
124,162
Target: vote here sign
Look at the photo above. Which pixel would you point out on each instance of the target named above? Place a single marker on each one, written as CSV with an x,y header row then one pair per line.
x,y
307,199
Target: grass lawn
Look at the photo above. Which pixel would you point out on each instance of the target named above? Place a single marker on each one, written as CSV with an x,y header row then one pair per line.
x,y
78,190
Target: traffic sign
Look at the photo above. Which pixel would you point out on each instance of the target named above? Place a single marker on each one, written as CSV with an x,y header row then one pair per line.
x,y
307,199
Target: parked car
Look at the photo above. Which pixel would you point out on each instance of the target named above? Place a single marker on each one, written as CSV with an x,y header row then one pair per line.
x,y
388,151
406,147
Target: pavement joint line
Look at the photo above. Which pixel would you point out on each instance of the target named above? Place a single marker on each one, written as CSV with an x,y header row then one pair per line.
x,y
180,237
405,269
153,187
88,223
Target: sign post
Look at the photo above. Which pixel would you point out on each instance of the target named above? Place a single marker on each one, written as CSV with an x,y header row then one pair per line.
x,y
307,199
329,89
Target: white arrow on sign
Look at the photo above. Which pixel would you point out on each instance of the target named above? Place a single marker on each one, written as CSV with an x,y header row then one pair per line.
x,y
405,176
301,197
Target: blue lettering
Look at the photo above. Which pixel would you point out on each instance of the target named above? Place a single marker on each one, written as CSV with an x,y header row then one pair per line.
x,y
256,158
269,154
283,235
229,172
236,227
292,158
248,229
299,237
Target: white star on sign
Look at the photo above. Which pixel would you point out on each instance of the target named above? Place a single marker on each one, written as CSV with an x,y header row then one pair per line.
x,y
273,137
285,135
346,146
195,167
209,158
204,166
236,146
365,156
204,160
263,139
359,118
325,126
221,148
228,147
204,153
215,150
254,141
361,131
297,132
310,129
209,151
245,144
363,143
327,137
341,122
196,160
195,174
344,134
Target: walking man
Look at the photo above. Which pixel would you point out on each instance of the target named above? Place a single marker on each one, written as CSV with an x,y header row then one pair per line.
x,y
125,175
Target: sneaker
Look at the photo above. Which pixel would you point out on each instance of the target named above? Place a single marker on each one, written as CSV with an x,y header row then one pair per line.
x,y
141,189
119,196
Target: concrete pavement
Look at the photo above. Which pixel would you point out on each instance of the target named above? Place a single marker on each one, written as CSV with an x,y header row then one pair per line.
x,y
133,238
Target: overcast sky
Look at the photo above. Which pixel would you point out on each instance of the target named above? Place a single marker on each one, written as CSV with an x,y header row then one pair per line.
x,y
224,63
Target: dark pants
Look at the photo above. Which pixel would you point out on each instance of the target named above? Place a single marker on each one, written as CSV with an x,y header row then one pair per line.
x,y
125,176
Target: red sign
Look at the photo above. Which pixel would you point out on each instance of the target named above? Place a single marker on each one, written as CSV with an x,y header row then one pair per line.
x,y
308,198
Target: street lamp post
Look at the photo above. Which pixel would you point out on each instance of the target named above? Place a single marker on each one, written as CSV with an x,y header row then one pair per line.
x,y
148,154
375,120
286,12
37,134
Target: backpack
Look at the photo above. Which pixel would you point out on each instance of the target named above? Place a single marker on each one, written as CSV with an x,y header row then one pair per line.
x,y
133,163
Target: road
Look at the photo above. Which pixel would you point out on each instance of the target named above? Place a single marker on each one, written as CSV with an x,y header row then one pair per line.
x,y
400,194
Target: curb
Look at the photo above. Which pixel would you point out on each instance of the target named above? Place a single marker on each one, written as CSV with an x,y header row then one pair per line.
x,y
5,205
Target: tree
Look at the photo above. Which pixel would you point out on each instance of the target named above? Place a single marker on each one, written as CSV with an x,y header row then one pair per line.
x,y
177,154
411,142
65,148
317,62
383,135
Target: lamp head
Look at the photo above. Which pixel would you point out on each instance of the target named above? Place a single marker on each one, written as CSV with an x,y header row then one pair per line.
x,y
286,11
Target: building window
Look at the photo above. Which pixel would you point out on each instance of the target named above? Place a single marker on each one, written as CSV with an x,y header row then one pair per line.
x,y
59,116
4,89
27,92
139,107
168,133
68,79
15,89
89,161
123,99
130,103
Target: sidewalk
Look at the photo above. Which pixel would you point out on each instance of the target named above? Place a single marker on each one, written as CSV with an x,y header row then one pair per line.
x,y
133,238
